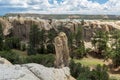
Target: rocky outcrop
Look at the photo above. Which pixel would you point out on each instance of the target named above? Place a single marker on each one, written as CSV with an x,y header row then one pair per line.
x,y
62,50
33,71
20,27
4,61
16,72
91,26
6,26
45,73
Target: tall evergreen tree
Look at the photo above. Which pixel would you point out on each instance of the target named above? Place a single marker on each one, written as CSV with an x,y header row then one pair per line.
x,y
99,41
34,36
115,51
79,35
33,39
1,37
80,51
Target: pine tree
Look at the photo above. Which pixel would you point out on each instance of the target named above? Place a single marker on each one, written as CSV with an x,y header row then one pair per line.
x,y
33,40
115,51
1,37
99,41
79,35
34,36
81,51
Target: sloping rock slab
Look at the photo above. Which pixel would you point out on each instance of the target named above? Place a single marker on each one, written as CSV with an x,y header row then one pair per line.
x,y
45,73
33,71
16,72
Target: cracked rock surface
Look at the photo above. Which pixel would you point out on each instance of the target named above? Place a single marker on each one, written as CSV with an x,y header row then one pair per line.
x,y
33,71
16,72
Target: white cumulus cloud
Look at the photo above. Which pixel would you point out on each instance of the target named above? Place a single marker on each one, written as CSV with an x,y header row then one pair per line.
x,y
65,6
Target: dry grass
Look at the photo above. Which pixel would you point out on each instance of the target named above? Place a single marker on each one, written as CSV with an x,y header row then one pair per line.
x,y
92,62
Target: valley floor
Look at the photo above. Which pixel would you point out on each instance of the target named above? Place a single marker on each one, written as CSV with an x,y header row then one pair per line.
x,y
92,62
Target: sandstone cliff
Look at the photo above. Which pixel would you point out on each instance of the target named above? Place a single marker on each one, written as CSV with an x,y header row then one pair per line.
x,y
20,27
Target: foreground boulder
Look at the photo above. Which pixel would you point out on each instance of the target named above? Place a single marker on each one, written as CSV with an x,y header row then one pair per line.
x,y
33,71
4,61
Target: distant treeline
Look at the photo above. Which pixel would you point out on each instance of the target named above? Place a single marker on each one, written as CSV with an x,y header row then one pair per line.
x,y
66,16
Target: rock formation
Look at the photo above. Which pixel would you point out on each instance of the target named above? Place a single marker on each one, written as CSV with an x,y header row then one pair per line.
x,y
62,50
4,61
33,71
6,26
20,27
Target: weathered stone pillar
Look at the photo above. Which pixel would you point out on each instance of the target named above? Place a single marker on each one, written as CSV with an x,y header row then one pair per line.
x,y
62,50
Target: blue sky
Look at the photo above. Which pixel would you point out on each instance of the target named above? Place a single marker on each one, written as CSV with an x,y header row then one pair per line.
x,y
60,6
100,1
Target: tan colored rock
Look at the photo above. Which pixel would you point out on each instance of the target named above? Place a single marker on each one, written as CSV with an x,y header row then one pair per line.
x,y
20,26
72,26
4,61
6,26
66,56
59,53
62,50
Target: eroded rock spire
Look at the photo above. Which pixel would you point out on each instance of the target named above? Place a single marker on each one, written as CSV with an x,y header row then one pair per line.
x,y
62,50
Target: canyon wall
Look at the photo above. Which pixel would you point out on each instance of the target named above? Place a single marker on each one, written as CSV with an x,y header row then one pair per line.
x,y
20,27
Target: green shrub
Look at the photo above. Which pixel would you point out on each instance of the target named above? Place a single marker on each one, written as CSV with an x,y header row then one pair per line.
x,y
84,73
76,69
100,73
100,42
31,50
42,50
46,60
80,53
50,48
12,42
10,56
23,47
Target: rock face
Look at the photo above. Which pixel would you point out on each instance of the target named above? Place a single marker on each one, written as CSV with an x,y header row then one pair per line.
x,y
33,71
16,73
62,50
20,27
6,26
